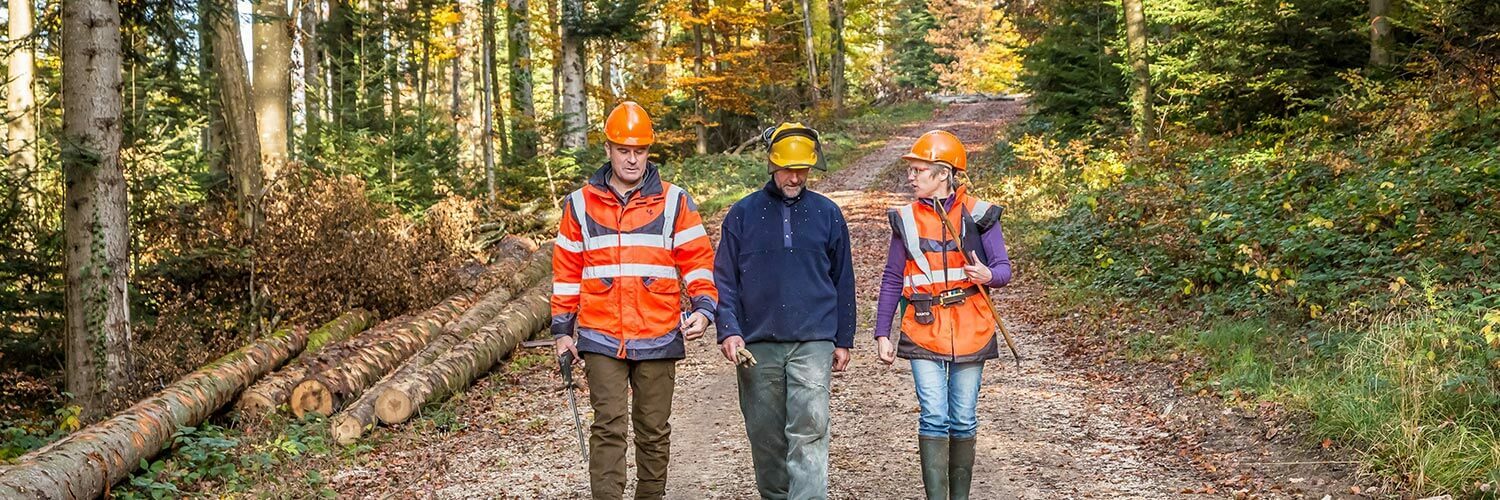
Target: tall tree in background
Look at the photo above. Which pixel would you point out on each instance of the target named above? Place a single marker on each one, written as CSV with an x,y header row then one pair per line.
x,y
836,66
21,131
522,108
233,86
312,69
455,104
556,28
915,57
374,66
1380,33
273,83
700,120
497,95
338,38
813,95
95,223
574,100
1143,117
486,100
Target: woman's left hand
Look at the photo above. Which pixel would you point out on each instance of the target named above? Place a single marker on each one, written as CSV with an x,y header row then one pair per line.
x,y
977,272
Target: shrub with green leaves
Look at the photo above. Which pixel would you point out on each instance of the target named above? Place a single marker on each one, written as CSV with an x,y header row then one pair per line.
x,y
1342,258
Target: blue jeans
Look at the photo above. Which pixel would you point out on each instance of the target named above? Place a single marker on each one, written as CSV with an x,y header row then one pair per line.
x,y
949,396
785,402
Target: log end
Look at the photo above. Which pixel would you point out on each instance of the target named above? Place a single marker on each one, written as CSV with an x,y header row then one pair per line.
x,y
346,430
311,396
254,405
393,407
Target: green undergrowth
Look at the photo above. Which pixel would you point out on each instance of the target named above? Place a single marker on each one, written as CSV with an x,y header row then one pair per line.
x,y
289,458
1340,261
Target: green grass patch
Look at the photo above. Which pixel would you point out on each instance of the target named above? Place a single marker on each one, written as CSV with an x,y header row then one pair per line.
x,y
1400,391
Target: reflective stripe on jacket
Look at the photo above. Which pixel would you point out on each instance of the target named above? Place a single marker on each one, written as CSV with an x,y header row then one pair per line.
x,y
619,268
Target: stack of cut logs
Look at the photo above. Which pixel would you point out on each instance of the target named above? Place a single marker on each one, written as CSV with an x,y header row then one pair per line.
x,y
355,369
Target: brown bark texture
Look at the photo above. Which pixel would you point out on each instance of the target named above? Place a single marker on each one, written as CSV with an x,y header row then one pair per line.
x,y
96,226
344,371
459,366
239,120
84,464
359,416
272,34
273,390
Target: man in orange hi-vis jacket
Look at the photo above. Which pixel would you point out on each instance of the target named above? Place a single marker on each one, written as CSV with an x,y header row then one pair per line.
x,y
628,244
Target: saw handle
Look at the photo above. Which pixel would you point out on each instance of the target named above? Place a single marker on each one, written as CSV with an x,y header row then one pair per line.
x,y
565,365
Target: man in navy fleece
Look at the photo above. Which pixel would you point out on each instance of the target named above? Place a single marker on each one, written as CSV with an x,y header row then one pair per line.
x,y
786,294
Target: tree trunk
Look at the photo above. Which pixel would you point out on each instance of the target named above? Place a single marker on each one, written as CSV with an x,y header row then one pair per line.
x,y
273,390
557,78
768,30
84,464
340,375
425,40
1380,33
514,273
836,67
574,98
455,104
239,121
522,109
487,53
700,120
512,266
607,69
373,54
344,89
651,57
496,96
273,84
1142,116
95,218
213,131
359,416
312,73
459,366
21,131
813,95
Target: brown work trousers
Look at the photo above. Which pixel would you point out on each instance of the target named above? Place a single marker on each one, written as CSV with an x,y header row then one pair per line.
x,y
610,382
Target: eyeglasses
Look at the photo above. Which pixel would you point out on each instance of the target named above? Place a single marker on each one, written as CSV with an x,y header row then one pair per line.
x,y
916,171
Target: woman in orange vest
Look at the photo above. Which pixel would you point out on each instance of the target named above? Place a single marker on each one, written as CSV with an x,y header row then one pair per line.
x,y
947,329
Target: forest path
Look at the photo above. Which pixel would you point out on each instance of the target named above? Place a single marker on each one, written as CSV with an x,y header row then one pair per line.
x,y
1057,426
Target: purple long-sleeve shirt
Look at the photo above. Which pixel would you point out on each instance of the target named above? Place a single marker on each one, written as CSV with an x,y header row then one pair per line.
x,y
993,241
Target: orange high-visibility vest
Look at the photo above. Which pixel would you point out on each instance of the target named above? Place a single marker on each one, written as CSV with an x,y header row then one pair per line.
x,y
963,330
619,268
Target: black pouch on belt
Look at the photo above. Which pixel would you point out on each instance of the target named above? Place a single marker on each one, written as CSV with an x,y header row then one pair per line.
x,y
921,304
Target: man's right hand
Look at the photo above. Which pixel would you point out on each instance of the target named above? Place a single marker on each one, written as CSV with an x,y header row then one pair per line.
x,y
565,344
730,348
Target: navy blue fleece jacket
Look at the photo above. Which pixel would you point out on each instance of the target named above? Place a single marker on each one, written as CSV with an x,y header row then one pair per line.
x,y
784,270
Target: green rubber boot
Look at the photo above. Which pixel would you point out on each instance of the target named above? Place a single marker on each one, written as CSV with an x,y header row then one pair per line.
x,y
934,466
960,467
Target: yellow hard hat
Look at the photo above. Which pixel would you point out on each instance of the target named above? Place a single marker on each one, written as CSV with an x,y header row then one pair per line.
x,y
794,145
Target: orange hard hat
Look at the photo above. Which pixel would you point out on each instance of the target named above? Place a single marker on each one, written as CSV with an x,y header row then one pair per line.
x,y
940,146
629,125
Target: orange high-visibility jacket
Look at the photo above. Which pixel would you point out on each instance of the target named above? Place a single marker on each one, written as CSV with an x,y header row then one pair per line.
x,y
965,330
619,267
